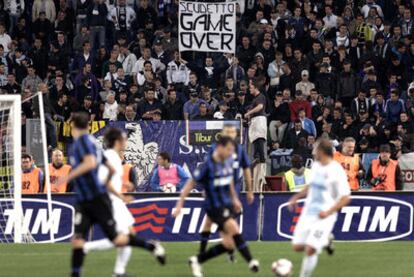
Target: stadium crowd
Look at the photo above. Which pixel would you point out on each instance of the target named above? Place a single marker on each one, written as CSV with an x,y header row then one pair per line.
x,y
326,68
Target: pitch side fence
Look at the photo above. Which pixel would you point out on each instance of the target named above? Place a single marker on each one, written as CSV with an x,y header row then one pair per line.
x,y
370,217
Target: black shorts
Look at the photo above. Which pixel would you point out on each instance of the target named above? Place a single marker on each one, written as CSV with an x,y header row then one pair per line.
x,y
221,215
98,211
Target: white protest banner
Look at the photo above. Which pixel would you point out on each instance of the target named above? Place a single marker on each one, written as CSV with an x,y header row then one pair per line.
x,y
207,27
406,163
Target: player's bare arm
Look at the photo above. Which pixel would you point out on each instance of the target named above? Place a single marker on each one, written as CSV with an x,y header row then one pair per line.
x,y
294,199
184,193
343,201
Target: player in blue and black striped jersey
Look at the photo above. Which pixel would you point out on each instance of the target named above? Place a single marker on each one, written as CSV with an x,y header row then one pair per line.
x,y
221,202
241,163
93,203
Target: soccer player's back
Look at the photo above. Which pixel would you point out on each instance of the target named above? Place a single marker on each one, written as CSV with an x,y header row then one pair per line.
x,y
221,202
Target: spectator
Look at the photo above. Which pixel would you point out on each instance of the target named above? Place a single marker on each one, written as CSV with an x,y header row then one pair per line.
x,y
111,108
167,174
348,84
127,59
279,118
32,177
178,74
58,171
149,106
294,134
46,6
384,174
204,114
96,19
305,85
5,39
307,124
173,107
360,104
298,176
122,16
191,106
297,104
223,112
394,107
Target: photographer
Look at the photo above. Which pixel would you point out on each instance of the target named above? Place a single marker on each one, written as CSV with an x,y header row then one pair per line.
x,y
384,173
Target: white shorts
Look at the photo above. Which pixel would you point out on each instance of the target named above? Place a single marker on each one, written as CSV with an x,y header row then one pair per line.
x,y
313,231
123,218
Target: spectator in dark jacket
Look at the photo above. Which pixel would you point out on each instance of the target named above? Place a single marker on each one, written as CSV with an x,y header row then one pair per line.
x,y
394,107
294,134
347,85
245,53
325,82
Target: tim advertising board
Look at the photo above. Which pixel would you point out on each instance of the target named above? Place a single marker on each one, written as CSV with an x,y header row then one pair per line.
x,y
369,217
36,220
153,219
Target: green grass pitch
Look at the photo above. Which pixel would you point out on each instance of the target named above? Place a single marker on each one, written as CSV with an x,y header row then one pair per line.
x,y
389,259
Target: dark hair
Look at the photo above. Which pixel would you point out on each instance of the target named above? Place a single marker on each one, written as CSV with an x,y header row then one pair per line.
x,y
80,120
325,145
224,141
385,148
26,157
111,136
165,156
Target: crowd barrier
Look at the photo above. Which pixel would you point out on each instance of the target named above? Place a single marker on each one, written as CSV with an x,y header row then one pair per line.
x,y
369,217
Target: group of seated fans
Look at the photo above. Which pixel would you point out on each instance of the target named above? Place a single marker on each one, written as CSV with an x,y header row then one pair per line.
x,y
327,68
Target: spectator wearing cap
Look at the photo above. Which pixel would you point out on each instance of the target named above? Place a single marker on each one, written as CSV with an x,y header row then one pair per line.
x,y
169,43
149,105
384,174
159,53
279,118
173,107
178,74
299,103
394,107
239,105
305,85
223,112
191,107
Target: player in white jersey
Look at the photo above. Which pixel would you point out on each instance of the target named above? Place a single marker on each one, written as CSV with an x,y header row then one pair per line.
x,y
115,142
327,192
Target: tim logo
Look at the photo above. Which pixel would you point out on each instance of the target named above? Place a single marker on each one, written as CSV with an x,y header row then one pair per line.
x,y
367,218
153,219
36,220
150,217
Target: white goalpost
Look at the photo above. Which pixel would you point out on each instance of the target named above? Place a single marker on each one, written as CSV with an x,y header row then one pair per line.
x,y
13,226
11,176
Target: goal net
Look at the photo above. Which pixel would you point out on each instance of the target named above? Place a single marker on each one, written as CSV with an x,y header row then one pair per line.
x,y
11,213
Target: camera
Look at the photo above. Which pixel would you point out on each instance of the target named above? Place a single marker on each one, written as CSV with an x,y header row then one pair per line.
x,y
377,180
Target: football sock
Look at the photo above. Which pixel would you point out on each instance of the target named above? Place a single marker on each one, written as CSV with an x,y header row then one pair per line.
x,y
77,261
241,245
122,258
136,242
98,245
204,241
211,253
308,265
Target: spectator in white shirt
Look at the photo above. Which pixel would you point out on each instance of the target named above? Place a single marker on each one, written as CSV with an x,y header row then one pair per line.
x,y
330,18
305,85
127,59
5,39
371,4
111,108
157,65
122,16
